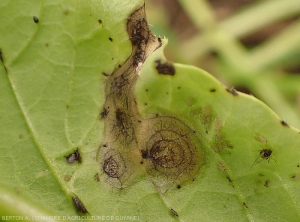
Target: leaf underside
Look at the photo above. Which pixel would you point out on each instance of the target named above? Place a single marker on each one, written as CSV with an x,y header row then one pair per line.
x,y
198,150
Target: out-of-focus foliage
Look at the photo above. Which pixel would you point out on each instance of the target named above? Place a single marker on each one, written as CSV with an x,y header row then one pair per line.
x,y
251,45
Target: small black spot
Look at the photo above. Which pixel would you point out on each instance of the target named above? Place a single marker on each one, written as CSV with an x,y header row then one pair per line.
x,y
79,205
174,213
104,113
245,205
112,58
298,165
165,68
232,91
178,87
74,157
267,183
104,145
146,104
178,186
105,74
293,177
142,162
67,106
100,21
265,153
120,66
110,39
228,178
35,19
147,90
212,90
284,123
159,40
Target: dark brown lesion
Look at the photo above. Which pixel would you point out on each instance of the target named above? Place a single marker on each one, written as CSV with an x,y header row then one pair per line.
x,y
165,68
75,156
79,205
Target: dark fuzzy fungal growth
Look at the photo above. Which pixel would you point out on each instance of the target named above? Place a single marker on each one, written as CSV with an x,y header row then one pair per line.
x,y
35,19
79,205
166,68
76,156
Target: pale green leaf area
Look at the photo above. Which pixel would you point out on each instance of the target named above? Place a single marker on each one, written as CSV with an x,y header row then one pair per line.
x,y
52,93
235,183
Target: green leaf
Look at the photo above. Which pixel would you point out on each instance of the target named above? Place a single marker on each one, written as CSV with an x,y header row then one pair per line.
x,y
53,57
175,145
251,156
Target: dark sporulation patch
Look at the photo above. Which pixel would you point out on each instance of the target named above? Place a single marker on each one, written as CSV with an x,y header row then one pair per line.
x,y
99,21
212,90
110,39
267,182
165,68
284,123
104,113
123,123
265,153
229,179
79,205
232,91
35,19
245,205
111,167
174,212
114,165
76,156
